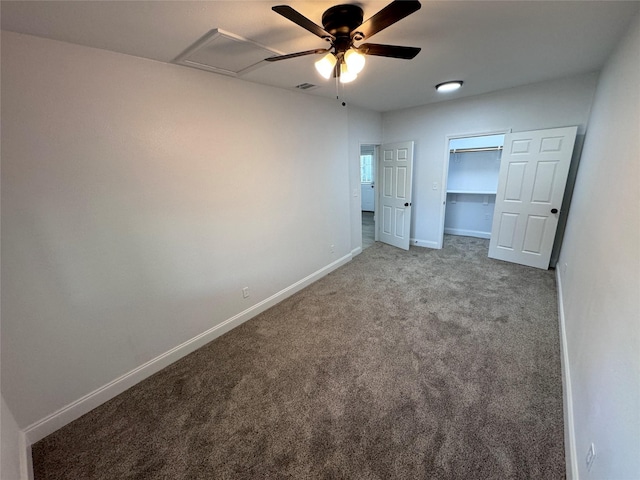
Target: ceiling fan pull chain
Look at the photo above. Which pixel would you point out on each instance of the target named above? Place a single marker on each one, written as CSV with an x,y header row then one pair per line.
x,y
338,86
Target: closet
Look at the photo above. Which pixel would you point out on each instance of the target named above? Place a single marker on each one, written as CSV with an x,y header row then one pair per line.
x,y
472,183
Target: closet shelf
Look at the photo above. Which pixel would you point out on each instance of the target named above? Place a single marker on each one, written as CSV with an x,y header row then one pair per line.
x,y
473,192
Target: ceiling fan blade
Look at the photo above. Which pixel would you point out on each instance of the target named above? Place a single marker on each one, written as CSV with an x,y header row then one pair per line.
x,y
289,13
394,51
389,15
294,55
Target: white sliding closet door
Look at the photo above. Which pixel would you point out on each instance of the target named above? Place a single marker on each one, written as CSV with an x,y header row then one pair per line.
x,y
531,183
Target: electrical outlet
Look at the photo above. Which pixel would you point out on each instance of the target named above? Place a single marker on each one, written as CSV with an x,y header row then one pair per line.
x,y
591,456
332,248
435,186
564,268
245,292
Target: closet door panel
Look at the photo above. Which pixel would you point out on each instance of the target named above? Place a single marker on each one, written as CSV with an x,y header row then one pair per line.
x,y
531,186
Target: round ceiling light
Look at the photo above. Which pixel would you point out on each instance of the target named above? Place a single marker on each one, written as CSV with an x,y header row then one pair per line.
x,y
449,86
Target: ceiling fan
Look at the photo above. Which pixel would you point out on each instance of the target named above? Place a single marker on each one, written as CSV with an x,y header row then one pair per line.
x,y
342,26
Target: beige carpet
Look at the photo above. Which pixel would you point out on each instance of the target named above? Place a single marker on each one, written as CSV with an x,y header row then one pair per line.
x,y
368,230
427,364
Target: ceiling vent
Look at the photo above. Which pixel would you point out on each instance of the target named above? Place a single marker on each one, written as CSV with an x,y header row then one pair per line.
x,y
306,86
226,53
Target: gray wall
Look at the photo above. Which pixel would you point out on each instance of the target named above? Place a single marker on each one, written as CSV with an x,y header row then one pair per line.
x,y
138,199
599,273
551,104
365,127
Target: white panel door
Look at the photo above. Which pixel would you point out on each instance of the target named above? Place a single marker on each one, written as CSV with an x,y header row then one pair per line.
x,y
394,187
367,193
531,183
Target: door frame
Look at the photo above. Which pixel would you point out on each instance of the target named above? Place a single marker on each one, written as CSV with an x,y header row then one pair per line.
x,y
445,173
376,198
374,169
376,147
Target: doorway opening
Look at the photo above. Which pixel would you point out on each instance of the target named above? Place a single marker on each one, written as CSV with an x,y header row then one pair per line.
x,y
470,184
367,193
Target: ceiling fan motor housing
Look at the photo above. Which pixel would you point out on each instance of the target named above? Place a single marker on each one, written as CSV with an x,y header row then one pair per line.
x,y
340,20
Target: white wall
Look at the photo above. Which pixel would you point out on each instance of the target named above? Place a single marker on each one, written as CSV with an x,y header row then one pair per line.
x,y
599,271
365,127
138,198
11,445
551,104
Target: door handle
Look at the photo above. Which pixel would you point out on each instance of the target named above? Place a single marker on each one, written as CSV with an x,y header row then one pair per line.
x,y
407,204
554,210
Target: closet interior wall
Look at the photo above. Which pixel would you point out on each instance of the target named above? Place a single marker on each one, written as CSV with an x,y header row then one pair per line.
x,y
472,183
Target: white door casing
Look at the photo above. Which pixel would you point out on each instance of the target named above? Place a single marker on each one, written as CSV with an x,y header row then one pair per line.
x,y
531,184
394,190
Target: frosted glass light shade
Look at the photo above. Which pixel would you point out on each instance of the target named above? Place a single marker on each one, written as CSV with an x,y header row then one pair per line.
x,y
449,86
346,75
326,64
354,60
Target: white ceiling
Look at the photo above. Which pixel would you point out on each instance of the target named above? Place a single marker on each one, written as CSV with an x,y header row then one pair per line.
x,y
490,45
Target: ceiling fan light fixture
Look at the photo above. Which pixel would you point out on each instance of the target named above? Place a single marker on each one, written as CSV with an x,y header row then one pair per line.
x,y
326,64
449,86
342,25
354,60
346,75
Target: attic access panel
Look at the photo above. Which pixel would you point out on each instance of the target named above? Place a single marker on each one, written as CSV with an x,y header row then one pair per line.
x,y
226,53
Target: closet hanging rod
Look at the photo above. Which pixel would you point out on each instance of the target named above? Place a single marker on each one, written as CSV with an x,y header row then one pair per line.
x,y
477,149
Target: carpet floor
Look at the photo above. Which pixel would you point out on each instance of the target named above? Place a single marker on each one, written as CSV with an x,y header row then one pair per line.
x,y
426,364
368,229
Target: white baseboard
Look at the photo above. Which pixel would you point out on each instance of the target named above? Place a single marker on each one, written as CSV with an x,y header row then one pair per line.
x,y
571,458
467,233
40,429
26,461
416,242
356,251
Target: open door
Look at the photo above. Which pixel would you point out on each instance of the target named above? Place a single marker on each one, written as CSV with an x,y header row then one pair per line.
x,y
394,182
367,177
531,183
